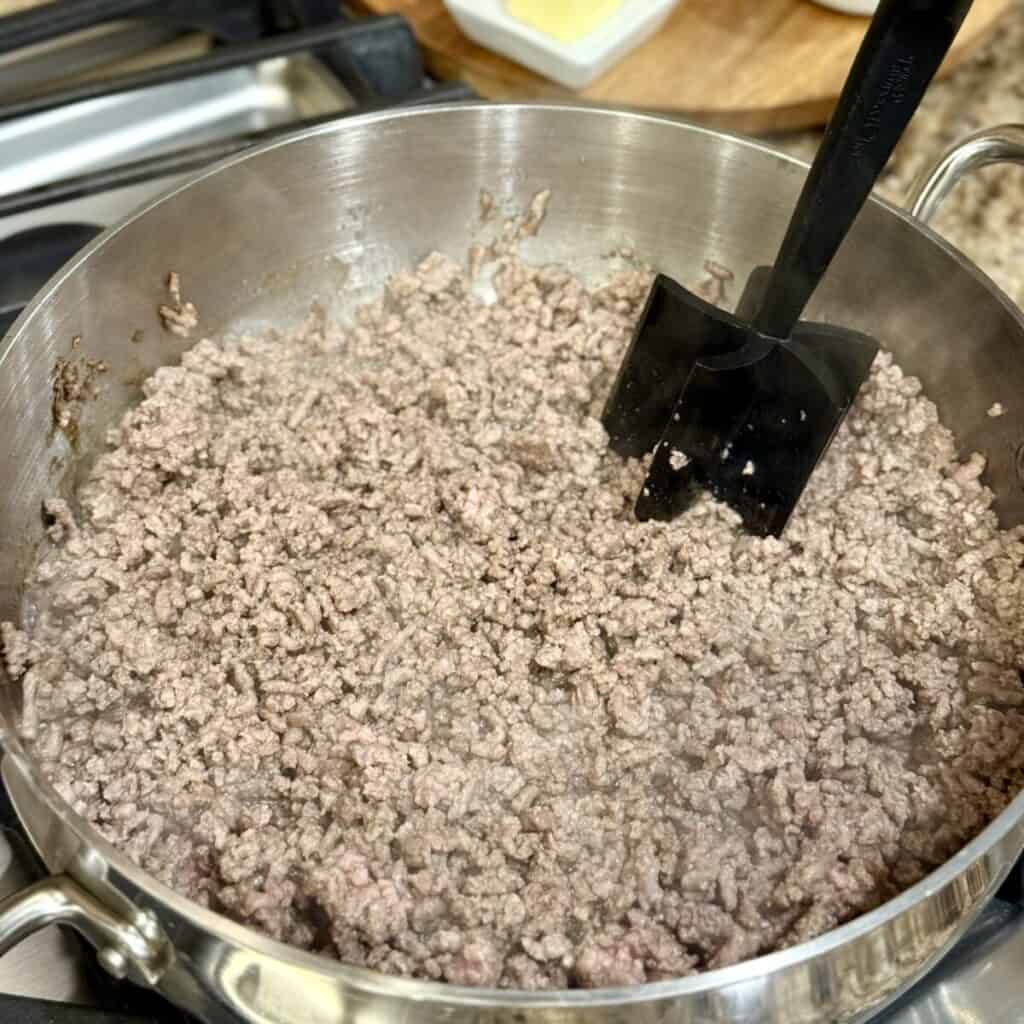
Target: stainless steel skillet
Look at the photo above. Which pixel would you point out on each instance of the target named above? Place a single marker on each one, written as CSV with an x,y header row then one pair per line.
x,y
327,215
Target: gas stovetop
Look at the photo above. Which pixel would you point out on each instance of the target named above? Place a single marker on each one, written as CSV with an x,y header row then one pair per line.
x,y
188,84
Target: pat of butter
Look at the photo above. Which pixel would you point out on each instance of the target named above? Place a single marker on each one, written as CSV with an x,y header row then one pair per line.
x,y
564,20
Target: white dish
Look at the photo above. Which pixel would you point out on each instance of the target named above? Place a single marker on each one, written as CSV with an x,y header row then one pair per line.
x,y
865,7
574,65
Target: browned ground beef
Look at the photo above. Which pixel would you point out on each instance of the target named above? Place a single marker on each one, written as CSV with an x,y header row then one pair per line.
x,y
356,640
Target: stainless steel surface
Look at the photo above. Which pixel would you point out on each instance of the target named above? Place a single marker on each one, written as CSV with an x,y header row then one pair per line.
x,y
978,984
132,948
1004,144
102,208
104,132
30,68
352,202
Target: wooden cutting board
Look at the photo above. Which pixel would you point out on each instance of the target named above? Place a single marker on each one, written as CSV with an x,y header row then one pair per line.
x,y
744,65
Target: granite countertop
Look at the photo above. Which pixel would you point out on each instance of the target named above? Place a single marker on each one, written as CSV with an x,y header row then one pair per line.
x,y
984,216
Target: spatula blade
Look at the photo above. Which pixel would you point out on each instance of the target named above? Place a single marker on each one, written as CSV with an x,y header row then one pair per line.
x,y
751,426
676,329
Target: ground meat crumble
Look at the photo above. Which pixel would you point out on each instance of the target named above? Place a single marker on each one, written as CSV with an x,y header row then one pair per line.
x,y
353,637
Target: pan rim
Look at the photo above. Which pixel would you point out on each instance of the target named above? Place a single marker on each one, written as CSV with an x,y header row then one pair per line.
x,y
441,993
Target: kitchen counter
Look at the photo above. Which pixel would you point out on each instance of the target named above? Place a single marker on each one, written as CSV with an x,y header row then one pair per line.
x,y
984,216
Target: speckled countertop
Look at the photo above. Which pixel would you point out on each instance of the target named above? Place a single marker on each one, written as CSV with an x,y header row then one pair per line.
x,y
984,216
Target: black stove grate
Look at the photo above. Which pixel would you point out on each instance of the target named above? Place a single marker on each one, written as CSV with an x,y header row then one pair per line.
x,y
44,1011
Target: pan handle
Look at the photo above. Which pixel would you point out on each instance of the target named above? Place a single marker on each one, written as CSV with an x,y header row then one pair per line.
x,y
134,949
1004,144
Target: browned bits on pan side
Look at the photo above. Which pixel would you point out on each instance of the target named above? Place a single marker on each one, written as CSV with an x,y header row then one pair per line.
x,y
72,382
179,317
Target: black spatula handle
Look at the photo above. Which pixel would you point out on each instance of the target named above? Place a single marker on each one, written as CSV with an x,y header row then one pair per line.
x,y
903,48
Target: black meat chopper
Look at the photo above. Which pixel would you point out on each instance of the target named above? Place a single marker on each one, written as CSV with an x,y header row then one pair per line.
x,y
745,405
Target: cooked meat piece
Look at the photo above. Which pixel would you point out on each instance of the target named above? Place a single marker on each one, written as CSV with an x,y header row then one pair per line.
x,y
357,641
